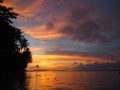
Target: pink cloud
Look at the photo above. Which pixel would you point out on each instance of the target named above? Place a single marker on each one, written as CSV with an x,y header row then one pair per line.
x,y
77,21
42,32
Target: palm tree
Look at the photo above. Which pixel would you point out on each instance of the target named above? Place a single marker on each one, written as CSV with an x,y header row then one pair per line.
x,y
14,46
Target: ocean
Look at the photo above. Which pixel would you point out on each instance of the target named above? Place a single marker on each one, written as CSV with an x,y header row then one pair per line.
x,y
66,80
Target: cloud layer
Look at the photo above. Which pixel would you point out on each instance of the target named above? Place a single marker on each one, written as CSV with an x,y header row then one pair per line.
x,y
76,20
72,23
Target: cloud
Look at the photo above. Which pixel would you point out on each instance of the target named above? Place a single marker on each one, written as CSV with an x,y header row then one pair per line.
x,y
87,57
78,20
112,56
36,48
98,66
42,32
83,24
27,9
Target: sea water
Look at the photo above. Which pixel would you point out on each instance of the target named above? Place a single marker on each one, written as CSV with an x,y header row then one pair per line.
x,y
62,80
73,80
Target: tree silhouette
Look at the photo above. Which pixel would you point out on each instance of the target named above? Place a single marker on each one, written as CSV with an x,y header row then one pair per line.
x,y
14,51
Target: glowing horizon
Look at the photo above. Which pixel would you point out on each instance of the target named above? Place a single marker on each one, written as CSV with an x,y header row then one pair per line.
x,y
58,62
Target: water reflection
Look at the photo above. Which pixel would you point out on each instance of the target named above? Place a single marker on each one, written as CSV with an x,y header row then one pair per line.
x,y
13,81
73,80
60,80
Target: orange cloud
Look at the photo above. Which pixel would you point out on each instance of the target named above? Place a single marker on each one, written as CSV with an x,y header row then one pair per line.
x,y
42,32
36,48
29,12
68,58
26,9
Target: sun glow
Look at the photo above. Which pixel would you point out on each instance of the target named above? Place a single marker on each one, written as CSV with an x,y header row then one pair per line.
x,y
62,61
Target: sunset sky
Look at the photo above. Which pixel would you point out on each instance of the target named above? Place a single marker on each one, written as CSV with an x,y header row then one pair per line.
x,y
65,33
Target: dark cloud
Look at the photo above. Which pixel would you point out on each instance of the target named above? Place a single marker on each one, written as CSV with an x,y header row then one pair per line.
x,y
67,30
86,32
50,26
99,66
84,28
82,22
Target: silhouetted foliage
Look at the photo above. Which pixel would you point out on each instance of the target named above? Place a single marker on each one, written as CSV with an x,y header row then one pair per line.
x,y
1,1
13,81
14,51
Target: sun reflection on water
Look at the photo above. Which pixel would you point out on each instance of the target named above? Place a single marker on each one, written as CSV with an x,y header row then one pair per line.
x,y
72,80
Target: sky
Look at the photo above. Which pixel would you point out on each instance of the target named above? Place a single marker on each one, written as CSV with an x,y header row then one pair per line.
x,y
63,34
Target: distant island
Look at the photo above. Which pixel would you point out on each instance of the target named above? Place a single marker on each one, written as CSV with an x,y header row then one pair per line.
x,y
99,67
14,51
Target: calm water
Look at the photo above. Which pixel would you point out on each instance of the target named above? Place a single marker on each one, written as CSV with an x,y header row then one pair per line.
x,y
66,80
